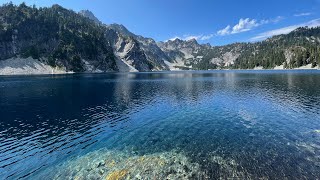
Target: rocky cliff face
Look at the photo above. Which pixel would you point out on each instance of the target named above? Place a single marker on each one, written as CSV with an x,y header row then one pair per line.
x,y
136,52
153,52
141,53
194,55
181,50
128,52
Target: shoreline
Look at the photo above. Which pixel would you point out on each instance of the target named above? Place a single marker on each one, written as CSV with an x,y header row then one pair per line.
x,y
174,71
30,66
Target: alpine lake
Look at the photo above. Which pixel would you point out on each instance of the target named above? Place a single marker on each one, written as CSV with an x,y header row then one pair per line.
x,y
161,125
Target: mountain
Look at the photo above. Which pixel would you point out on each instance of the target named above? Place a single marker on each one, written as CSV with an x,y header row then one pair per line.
x,y
180,50
90,15
299,48
72,41
55,36
191,54
144,50
79,42
130,56
182,53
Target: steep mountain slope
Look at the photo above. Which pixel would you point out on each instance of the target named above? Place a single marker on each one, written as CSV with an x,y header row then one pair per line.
x,y
145,50
130,56
55,36
136,52
76,42
90,15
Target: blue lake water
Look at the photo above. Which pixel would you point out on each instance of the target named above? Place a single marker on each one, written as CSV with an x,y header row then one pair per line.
x,y
177,125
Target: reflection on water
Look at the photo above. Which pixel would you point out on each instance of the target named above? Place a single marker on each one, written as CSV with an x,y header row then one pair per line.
x,y
197,125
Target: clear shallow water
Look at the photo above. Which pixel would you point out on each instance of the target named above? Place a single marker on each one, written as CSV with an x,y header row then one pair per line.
x,y
197,125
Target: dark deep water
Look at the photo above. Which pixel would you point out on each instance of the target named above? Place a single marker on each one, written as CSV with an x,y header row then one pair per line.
x,y
245,124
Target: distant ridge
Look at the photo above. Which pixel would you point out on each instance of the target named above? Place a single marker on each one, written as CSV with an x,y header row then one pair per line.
x,y
82,43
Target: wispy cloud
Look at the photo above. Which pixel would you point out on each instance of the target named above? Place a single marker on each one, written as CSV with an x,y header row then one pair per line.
x,y
243,26
273,20
196,37
206,37
303,14
246,24
225,31
285,30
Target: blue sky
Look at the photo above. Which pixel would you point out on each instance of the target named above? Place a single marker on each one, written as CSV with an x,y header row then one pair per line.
x,y
217,22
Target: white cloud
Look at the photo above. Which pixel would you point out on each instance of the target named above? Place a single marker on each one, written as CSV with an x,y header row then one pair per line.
x,y
302,14
243,26
196,37
274,20
224,31
206,37
246,24
285,30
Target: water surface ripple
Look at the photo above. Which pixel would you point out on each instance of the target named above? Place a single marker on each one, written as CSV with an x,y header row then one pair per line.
x,y
217,124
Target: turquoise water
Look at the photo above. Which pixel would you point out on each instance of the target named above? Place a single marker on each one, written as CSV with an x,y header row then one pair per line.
x,y
178,125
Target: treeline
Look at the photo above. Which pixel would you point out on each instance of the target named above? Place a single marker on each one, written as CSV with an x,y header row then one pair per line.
x,y
298,48
62,37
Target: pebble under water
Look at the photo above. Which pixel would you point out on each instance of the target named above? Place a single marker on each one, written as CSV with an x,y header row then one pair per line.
x,y
170,125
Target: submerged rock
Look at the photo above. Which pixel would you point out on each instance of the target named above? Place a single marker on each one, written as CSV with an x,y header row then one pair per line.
x,y
118,165
117,175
